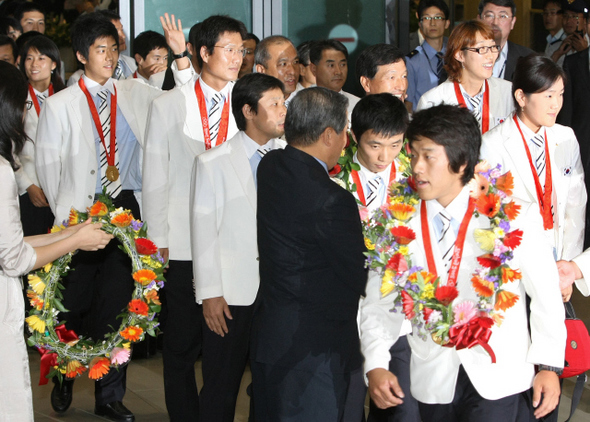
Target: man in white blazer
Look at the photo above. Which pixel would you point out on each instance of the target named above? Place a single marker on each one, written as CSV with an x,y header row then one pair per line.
x,y
180,127
223,238
456,385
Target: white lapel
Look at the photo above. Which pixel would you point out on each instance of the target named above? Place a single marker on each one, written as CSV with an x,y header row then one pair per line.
x,y
193,127
241,165
124,103
520,163
81,111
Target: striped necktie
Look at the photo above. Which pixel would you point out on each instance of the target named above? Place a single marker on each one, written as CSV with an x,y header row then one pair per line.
x,y
104,111
373,189
118,71
538,141
41,98
476,102
446,240
215,116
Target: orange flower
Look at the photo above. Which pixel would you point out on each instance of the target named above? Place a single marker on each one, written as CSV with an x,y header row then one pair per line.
x,y
482,287
511,210
132,333
152,296
505,300
403,235
478,185
99,367
428,277
139,307
74,368
505,183
122,220
74,217
482,166
98,209
402,211
488,205
508,275
144,277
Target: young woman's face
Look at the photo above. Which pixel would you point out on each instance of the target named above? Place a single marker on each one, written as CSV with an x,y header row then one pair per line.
x,y
38,66
542,108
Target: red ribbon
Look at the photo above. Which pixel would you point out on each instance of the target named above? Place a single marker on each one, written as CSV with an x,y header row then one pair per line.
x,y
476,332
223,125
359,186
35,100
485,112
49,357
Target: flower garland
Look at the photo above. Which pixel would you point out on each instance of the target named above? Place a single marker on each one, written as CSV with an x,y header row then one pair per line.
x,y
63,352
429,305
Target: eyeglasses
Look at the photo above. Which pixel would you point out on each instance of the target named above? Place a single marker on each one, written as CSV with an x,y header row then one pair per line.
x,y
29,104
490,16
567,16
483,50
231,51
432,18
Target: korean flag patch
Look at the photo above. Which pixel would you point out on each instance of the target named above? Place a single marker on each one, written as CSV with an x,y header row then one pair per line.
x,y
567,171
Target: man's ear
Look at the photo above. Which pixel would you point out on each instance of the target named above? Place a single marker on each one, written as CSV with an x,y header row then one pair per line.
x,y
81,58
260,69
204,54
190,48
249,114
313,68
138,59
365,84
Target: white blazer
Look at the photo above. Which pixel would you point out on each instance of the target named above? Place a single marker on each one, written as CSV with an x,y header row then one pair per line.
x,y
434,369
174,138
504,146
65,153
26,175
223,224
501,102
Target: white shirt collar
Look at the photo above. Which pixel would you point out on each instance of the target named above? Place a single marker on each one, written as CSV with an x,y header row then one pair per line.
x,y
209,92
527,132
499,66
94,87
456,209
556,37
479,94
251,146
46,92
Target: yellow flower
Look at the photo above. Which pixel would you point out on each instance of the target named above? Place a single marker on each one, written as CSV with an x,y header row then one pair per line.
x,y
388,276
36,323
127,345
428,292
370,245
404,250
499,232
386,288
485,239
47,267
56,229
153,263
36,284
414,201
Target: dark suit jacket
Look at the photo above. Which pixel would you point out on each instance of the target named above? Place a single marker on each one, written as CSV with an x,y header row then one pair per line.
x,y
311,266
514,52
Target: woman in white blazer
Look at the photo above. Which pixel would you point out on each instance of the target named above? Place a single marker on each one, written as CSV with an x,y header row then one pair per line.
x,y
19,255
40,64
544,157
469,62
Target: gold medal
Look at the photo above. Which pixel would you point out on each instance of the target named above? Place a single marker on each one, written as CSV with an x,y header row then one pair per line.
x,y
112,173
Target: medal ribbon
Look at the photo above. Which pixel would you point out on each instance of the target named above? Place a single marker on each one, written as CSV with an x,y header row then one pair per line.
x,y
110,155
222,134
485,112
359,186
457,251
34,97
544,199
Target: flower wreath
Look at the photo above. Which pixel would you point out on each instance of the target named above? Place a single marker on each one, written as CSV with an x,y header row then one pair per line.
x,y
426,303
63,352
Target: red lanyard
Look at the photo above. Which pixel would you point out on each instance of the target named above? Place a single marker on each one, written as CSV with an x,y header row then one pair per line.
x,y
457,252
485,113
359,186
135,74
34,97
109,153
544,199
222,134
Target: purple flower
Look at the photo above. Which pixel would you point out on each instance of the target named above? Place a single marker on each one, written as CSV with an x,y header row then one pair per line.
x,y
136,225
504,225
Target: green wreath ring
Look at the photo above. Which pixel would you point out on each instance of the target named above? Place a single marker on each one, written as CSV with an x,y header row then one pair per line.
x,y
64,354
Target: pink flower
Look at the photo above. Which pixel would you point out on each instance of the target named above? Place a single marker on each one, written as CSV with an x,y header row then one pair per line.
x,y
464,311
120,355
364,213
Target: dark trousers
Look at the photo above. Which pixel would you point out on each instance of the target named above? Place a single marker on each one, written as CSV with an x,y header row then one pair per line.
x,y
98,288
224,361
35,220
181,343
399,365
469,406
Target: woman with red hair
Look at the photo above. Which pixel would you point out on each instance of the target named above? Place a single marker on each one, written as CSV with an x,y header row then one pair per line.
x,y
469,62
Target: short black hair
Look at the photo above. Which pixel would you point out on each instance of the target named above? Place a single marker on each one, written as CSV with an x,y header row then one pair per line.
x,y
44,45
311,112
303,52
557,2
455,129
377,55
193,35
317,48
501,3
212,28
6,40
24,38
439,4
261,55
7,22
109,14
249,89
384,114
27,7
148,41
89,28
251,36
535,73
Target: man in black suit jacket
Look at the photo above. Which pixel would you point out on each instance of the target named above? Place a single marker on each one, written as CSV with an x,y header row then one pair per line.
x,y
575,112
305,341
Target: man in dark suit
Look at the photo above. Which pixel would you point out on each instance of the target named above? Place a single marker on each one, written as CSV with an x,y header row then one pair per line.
x,y
501,16
305,341
575,112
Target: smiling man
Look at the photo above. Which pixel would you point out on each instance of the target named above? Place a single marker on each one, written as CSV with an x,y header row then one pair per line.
x,y
151,56
31,17
501,16
382,68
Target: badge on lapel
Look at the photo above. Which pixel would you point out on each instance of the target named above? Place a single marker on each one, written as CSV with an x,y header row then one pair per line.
x,y
567,171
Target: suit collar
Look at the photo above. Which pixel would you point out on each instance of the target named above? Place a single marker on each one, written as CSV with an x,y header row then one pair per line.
x,y
304,157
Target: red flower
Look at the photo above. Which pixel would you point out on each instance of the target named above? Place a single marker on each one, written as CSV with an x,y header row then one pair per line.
x,y
488,205
511,210
403,235
98,209
335,170
139,307
446,294
482,287
513,239
145,246
412,183
393,262
489,261
426,312
408,305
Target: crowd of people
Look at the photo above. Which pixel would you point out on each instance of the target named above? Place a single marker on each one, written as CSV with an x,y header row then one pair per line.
x,y
230,154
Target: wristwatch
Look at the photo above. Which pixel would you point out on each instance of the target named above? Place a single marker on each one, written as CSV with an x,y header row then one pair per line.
x,y
181,55
558,371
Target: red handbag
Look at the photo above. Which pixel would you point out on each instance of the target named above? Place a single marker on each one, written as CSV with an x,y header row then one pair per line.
x,y
577,349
